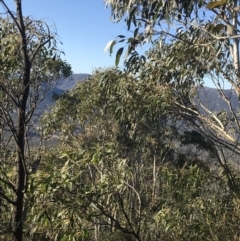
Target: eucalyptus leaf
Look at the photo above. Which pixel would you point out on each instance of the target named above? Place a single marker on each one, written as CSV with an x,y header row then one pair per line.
x,y
118,56
215,4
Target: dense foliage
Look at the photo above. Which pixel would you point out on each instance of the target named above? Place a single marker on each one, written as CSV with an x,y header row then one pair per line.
x,y
118,173
132,153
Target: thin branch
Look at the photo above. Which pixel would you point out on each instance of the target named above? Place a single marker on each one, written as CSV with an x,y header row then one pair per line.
x,y
7,198
11,185
11,14
11,97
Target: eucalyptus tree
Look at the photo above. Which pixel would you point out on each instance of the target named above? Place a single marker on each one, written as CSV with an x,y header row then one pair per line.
x,y
29,57
210,22
212,28
188,42
109,139
118,172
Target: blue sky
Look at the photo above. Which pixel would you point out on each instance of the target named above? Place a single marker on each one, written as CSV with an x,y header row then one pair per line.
x,y
83,26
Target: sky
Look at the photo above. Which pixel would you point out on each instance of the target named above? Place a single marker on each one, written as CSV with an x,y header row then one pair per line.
x,y
84,27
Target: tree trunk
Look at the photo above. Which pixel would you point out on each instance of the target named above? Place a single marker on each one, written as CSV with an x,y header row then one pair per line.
x,y
20,162
236,49
21,179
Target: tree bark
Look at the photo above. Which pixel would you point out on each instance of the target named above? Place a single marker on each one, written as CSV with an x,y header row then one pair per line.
x,y
20,142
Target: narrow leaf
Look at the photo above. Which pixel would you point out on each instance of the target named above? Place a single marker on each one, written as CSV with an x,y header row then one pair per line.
x,y
212,5
219,28
136,32
118,56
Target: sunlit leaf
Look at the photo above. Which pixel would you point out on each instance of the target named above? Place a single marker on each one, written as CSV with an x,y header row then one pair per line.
x,y
216,4
109,46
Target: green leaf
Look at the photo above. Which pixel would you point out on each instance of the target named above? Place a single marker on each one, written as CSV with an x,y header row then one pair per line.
x,y
218,28
64,238
136,32
130,40
212,5
131,18
118,56
200,4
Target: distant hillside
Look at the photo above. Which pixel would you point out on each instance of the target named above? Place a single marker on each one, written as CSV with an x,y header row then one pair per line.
x,y
212,99
69,83
60,86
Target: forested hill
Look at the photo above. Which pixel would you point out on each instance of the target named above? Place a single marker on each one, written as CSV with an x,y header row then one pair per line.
x,y
211,98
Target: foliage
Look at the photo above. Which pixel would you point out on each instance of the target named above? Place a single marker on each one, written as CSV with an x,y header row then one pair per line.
x,y
114,174
167,21
126,164
189,42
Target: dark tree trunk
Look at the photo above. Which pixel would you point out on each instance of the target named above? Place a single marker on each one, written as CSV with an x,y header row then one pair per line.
x,y
20,161
21,179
